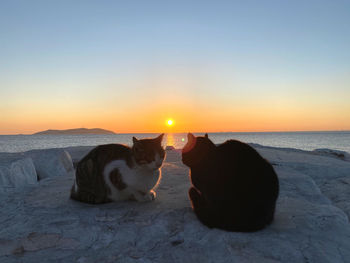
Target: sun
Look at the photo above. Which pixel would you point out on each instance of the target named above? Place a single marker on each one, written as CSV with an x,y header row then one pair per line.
x,y
170,122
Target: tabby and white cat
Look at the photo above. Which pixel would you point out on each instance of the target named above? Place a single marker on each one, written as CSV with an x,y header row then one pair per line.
x,y
114,172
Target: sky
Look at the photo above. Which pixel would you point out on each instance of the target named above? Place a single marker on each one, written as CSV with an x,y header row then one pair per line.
x,y
210,66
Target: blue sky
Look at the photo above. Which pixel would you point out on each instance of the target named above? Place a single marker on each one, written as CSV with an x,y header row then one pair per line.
x,y
92,54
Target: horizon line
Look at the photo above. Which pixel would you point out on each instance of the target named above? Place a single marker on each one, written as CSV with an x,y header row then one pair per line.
x,y
116,133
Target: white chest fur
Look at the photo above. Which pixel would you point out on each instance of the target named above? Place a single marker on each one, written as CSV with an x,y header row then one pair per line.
x,y
137,179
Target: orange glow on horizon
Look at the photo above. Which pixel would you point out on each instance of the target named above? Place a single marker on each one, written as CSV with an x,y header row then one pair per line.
x,y
171,80
190,117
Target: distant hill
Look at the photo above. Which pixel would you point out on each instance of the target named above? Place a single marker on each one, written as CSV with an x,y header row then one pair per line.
x,y
74,131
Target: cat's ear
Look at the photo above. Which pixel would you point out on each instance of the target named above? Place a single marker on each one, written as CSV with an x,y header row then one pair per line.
x,y
134,140
160,138
190,137
206,135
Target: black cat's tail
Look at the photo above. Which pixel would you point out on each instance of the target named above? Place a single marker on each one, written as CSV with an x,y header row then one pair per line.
x,y
201,208
218,217
252,219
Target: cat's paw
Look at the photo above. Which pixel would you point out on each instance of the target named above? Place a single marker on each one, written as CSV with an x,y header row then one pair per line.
x,y
153,194
145,197
150,196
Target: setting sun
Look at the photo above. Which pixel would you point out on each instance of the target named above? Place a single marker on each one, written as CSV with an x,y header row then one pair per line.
x,y
170,122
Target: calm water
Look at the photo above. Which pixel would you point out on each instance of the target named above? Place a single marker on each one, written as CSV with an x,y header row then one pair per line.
x,y
299,140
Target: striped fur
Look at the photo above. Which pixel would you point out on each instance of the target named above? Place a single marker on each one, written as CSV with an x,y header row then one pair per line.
x,y
115,172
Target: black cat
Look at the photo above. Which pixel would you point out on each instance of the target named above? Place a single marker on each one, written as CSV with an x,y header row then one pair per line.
x,y
234,188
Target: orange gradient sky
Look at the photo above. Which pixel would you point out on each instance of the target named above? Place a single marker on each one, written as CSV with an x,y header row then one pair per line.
x,y
211,67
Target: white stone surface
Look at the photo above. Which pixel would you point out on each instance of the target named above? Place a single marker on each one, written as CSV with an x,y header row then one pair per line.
x,y
333,153
20,169
17,173
42,224
51,162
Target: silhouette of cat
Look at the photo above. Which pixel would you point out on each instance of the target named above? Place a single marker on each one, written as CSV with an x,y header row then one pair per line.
x,y
234,188
114,172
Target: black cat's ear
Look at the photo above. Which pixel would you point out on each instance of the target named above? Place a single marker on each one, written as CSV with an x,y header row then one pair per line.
x,y
190,137
160,138
206,135
134,140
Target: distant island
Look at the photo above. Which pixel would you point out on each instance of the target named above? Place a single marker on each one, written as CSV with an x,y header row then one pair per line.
x,y
74,131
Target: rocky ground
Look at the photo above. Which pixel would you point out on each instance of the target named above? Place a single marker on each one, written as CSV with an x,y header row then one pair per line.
x,y
39,223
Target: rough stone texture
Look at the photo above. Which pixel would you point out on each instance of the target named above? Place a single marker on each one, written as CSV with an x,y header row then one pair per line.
x,y
51,162
334,153
16,173
20,169
41,224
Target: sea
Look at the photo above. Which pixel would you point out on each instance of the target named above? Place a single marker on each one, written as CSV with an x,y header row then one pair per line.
x,y
336,140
